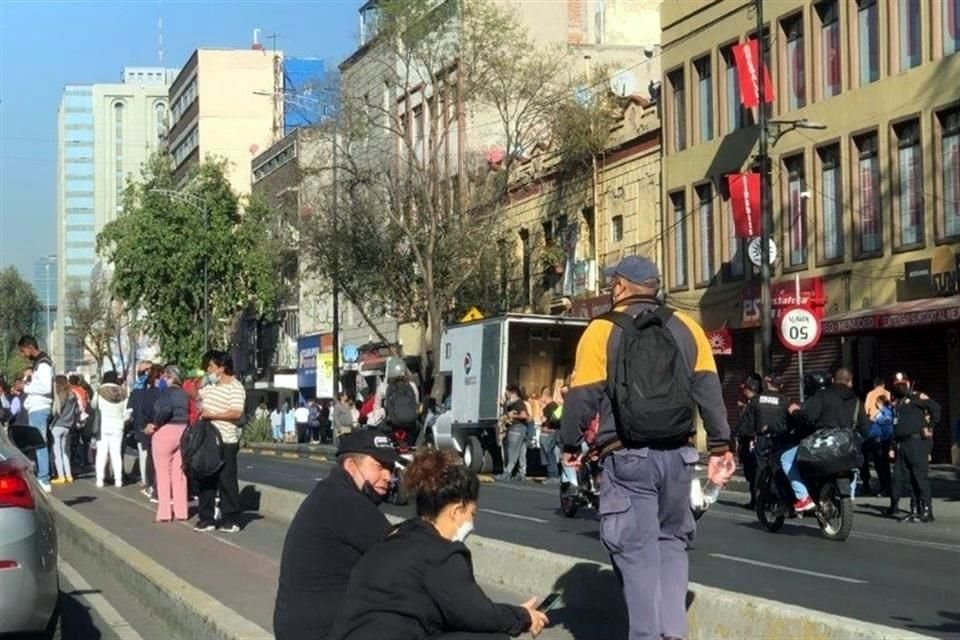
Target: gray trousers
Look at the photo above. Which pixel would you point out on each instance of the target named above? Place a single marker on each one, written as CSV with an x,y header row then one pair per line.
x,y
646,525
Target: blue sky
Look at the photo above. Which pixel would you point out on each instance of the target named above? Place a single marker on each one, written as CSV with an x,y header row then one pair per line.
x,y
45,45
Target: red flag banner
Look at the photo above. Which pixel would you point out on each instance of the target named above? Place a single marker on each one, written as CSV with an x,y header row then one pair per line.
x,y
747,56
744,191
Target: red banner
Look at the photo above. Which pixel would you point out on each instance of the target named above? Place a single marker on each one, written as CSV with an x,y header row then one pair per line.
x,y
747,56
744,191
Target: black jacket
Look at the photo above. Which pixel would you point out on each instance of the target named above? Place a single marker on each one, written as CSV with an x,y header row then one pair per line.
x,y
416,585
765,413
836,407
333,528
913,414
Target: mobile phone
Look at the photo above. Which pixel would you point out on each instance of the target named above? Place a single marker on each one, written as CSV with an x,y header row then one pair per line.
x,y
549,603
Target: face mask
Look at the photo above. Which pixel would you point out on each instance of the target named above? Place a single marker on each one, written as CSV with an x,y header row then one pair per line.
x,y
371,493
465,530
213,378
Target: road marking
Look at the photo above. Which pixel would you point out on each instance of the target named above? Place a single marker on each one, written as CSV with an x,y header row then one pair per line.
x,y
514,515
98,603
790,569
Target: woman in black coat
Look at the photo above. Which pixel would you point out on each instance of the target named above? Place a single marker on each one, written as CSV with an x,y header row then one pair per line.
x,y
418,584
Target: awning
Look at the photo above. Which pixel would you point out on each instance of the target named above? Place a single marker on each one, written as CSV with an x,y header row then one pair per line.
x,y
915,313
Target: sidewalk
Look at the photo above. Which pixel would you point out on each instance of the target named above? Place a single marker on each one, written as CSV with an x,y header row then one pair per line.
x,y
240,570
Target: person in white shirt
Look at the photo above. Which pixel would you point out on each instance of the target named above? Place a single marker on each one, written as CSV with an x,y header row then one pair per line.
x,y
39,401
276,424
301,416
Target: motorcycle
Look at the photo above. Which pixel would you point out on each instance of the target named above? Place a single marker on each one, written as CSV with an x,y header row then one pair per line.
x,y
831,493
403,444
585,494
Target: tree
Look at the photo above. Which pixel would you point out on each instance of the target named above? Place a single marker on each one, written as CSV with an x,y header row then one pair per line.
x,y
18,311
415,218
97,322
158,247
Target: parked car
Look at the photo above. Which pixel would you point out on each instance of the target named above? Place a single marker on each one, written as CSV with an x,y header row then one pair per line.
x,y
29,577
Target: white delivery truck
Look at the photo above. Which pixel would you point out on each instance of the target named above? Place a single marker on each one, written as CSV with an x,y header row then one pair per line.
x,y
479,359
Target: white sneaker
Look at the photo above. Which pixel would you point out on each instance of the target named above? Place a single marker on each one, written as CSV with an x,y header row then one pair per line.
x,y
46,487
118,485
99,484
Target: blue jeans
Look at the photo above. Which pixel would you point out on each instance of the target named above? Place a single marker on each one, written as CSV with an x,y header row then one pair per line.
x,y
38,420
548,452
569,474
788,461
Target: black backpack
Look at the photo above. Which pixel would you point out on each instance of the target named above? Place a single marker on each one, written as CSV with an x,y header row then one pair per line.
x,y
400,404
649,384
201,448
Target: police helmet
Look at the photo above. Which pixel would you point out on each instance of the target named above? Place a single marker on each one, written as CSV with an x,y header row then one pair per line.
x,y
813,382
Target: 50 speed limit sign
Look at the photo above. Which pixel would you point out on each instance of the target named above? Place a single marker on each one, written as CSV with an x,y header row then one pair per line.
x,y
799,328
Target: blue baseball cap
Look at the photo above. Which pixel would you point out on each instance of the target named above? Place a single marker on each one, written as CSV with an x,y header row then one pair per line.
x,y
636,269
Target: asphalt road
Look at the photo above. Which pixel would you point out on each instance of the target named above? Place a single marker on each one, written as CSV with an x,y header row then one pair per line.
x,y
887,573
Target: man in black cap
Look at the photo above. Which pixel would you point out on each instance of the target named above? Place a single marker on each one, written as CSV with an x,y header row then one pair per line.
x,y
336,524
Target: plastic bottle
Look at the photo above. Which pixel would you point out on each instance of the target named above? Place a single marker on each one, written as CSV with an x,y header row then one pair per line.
x,y
710,493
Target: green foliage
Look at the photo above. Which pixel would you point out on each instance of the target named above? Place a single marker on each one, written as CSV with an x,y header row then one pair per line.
x,y
258,430
18,310
14,366
159,245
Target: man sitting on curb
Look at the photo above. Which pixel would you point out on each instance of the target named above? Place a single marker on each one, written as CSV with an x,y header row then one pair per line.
x,y
336,524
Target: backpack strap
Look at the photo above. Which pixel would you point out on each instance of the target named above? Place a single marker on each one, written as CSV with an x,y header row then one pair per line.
x,y
623,320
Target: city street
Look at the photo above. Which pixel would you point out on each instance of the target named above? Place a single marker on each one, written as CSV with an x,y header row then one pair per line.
x,y
886,573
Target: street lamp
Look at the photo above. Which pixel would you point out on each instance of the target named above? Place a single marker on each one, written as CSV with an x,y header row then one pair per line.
x,y
199,205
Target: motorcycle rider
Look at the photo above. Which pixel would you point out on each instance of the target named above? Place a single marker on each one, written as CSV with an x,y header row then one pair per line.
x,y
401,401
766,413
836,407
915,417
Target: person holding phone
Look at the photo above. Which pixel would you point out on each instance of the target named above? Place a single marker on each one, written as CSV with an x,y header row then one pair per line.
x,y
418,584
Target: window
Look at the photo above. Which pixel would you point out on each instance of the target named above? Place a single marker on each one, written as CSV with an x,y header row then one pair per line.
x,y
950,26
909,185
829,15
704,98
160,110
831,203
678,265
867,215
795,214
678,106
705,236
369,22
795,66
950,172
735,116
868,41
909,20
616,224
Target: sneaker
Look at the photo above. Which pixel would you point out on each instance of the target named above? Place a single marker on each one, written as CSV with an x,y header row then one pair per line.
x,y
99,484
46,487
807,504
58,480
204,526
229,528
147,492
118,485
154,500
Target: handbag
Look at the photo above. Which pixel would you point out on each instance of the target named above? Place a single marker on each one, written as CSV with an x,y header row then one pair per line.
x,y
832,450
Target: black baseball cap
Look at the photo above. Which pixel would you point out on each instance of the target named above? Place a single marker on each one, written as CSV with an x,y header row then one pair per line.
x,y
370,443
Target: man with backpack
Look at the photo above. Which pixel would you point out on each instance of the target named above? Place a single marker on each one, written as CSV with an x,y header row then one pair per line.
x,y
401,400
643,367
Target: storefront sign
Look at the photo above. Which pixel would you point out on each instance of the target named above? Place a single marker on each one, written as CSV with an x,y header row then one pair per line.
x,y
325,375
945,272
894,319
721,342
783,295
308,348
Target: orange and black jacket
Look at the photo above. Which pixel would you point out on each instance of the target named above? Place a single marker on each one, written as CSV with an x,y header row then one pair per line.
x,y
588,395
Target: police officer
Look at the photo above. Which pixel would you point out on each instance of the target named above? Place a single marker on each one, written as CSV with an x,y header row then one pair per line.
x,y
647,523
336,524
765,417
744,433
915,417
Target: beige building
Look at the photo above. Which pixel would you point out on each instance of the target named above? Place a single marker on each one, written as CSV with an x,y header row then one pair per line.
x,y
556,236
866,209
223,104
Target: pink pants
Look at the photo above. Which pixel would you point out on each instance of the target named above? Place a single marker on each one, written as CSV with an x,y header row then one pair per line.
x,y
165,446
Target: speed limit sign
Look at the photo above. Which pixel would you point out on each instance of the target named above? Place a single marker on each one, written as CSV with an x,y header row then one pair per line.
x,y
799,328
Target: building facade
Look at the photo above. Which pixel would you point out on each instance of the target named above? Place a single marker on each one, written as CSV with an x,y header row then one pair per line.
x,y
866,206
227,104
45,287
105,132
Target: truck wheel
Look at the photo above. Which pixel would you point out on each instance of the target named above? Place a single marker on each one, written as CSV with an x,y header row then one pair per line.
x,y
473,454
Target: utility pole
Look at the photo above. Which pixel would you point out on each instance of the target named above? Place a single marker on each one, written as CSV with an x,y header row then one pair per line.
x,y
336,285
766,219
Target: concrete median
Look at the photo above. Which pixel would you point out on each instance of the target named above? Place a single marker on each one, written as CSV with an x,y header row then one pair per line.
x,y
590,588
188,611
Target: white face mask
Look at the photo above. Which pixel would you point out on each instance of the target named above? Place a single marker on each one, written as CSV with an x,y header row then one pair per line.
x,y
463,532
